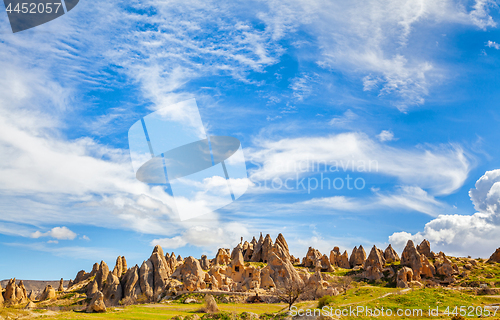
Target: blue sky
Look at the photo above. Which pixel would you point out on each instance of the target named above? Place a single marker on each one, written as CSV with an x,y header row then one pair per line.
x,y
410,86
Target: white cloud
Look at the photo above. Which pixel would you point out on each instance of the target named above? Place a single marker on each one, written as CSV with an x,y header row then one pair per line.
x,y
385,135
367,38
403,198
347,118
60,233
209,237
493,44
439,170
476,234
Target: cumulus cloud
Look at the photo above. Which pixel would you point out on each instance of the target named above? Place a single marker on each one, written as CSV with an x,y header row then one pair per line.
x,y
476,234
385,135
493,44
59,233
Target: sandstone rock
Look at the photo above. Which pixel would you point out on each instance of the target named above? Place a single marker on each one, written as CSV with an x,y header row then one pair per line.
x,y
97,303
190,274
495,257
358,257
10,292
95,268
179,259
411,258
325,264
210,304
339,260
424,248
102,275
445,267
92,289
172,262
204,263
70,283
48,293
267,248
280,248
390,255
61,285
374,264
112,290
131,284
161,271
124,264
146,279
118,269
21,294
312,256
257,250
1,297
282,271
30,306
222,257
405,275
81,276
428,270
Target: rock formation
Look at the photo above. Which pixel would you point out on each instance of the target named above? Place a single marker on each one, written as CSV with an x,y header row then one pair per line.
x,y
190,274
15,294
411,258
146,279
358,257
222,257
112,290
495,257
161,271
1,297
61,285
48,293
390,255
405,275
339,260
131,284
204,262
311,258
374,264
92,289
102,275
97,303
424,248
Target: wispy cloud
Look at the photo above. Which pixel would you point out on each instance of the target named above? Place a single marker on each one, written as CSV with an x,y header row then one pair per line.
x,y
59,233
493,44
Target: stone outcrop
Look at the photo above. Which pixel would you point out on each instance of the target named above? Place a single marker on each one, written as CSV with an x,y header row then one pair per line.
x,y
280,248
495,257
102,275
112,290
97,303
14,293
222,257
312,257
1,297
445,267
118,270
204,262
146,279
405,276
358,257
428,270
424,248
279,271
131,284
391,255
61,285
411,258
161,271
92,289
374,264
190,274
48,293
339,260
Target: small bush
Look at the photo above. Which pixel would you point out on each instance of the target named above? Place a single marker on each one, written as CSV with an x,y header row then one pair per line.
x,y
324,301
